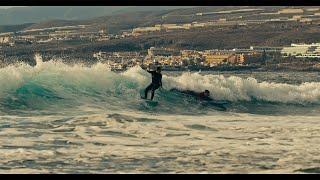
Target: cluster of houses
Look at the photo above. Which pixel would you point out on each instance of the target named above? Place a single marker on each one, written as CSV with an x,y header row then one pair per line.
x,y
168,57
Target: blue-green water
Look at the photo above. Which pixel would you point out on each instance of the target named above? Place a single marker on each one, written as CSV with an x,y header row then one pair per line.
x,y
56,118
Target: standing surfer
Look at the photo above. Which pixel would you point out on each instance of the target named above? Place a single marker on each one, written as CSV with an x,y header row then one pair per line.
x,y
155,84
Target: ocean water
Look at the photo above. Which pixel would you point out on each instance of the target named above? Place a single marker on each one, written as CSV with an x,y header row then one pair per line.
x,y
57,118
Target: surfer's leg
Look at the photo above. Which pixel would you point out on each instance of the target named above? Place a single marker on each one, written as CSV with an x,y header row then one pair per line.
x,y
147,90
154,88
152,93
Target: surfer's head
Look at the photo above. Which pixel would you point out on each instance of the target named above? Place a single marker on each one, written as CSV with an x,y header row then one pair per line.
x,y
207,93
158,69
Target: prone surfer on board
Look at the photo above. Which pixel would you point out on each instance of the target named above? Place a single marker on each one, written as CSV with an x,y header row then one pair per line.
x,y
204,96
155,84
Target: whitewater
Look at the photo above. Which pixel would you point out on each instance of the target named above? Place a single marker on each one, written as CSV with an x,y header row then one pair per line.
x,y
58,118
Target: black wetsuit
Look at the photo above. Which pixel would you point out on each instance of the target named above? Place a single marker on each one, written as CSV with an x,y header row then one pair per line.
x,y
199,96
155,84
204,100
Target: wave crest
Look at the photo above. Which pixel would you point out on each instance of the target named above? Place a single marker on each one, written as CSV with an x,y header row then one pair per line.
x,y
238,89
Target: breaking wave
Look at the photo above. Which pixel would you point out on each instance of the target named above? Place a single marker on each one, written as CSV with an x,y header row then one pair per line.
x,y
57,85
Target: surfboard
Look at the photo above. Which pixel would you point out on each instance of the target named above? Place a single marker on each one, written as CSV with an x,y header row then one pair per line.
x,y
219,102
215,105
150,102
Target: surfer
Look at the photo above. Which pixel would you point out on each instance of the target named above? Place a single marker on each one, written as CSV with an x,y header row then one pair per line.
x,y
205,95
155,84
204,98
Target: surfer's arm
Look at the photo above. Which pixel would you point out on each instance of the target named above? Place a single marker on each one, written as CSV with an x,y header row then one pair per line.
x,y
150,71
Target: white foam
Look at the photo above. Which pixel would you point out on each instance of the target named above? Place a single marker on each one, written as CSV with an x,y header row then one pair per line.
x,y
238,89
60,78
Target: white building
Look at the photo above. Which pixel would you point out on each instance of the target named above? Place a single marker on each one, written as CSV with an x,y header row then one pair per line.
x,y
296,17
302,50
5,39
146,29
152,52
312,9
173,26
305,20
290,11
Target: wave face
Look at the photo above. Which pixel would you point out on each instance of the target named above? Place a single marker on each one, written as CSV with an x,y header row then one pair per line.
x,y
55,86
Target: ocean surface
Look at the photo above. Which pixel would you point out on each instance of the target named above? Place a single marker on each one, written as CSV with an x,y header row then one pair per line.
x,y
57,118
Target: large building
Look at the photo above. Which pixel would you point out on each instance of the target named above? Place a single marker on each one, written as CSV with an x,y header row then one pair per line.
x,y
173,26
145,30
162,52
290,11
5,39
312,9
190,54
236,59
302,50
216,58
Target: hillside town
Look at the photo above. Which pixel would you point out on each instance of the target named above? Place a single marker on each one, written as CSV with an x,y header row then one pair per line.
x,y
253,57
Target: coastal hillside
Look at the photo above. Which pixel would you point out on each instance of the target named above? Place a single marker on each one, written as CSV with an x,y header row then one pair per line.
x,y
267,33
